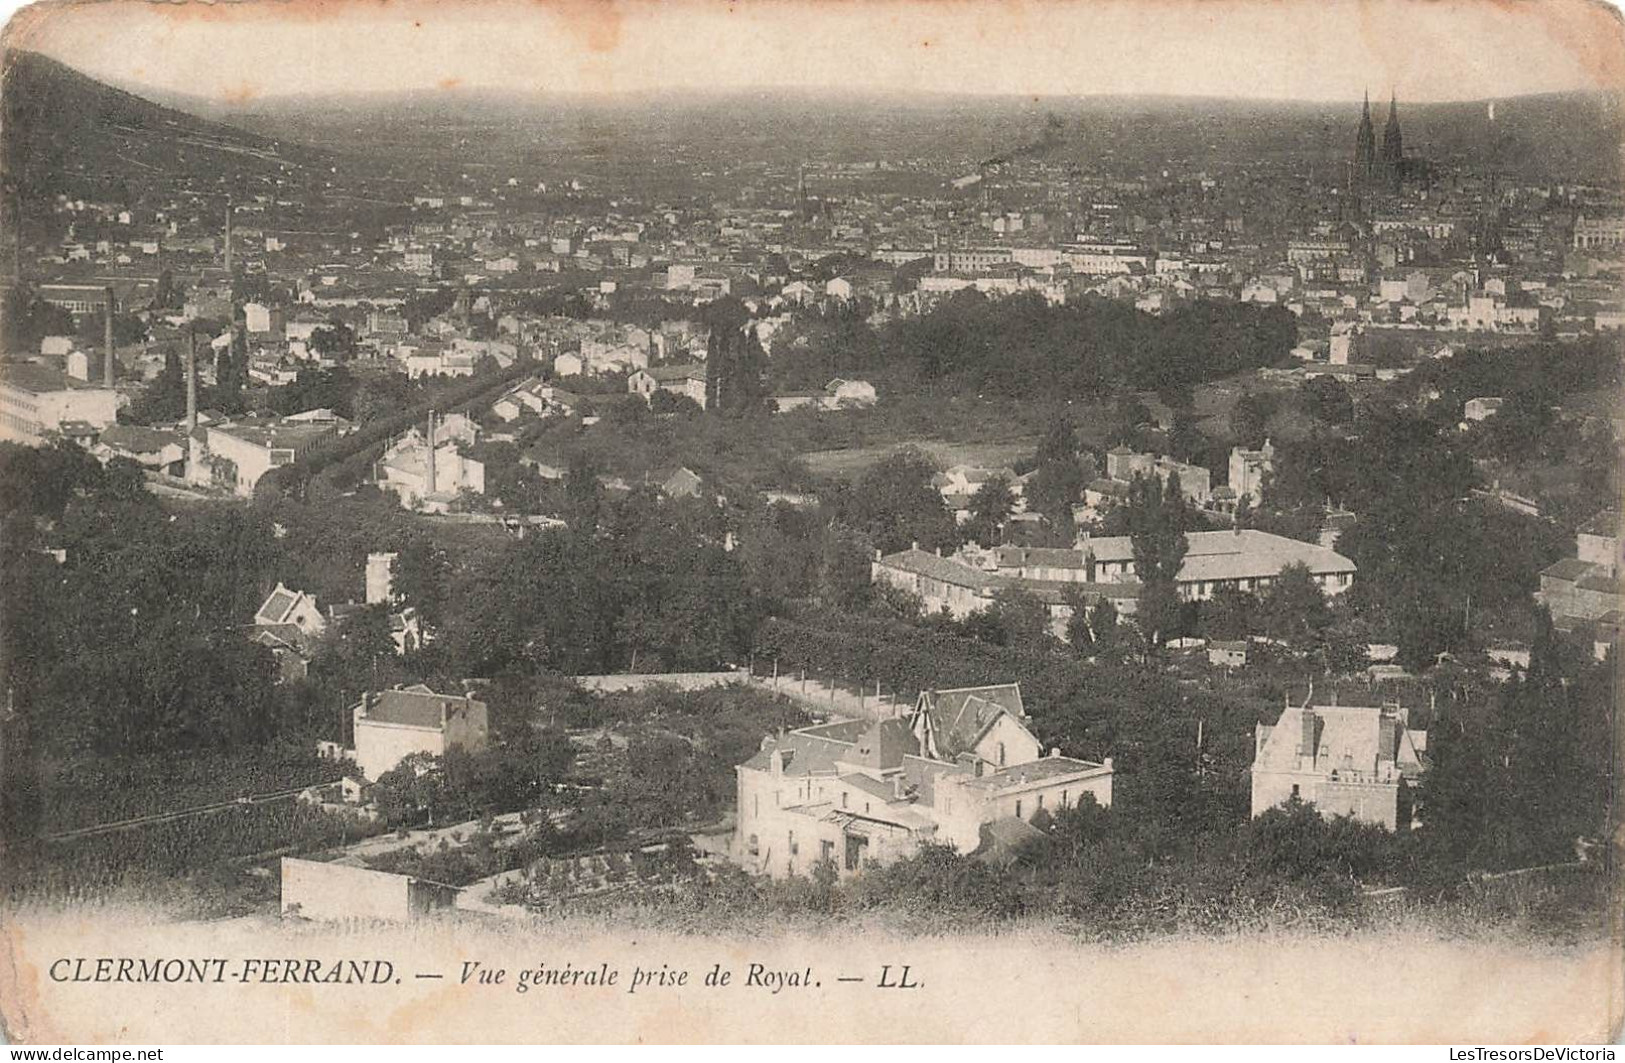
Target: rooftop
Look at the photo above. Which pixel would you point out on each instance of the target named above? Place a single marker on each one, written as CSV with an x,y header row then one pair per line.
x,y
38,379
671,374
274,433
1036,771
416,707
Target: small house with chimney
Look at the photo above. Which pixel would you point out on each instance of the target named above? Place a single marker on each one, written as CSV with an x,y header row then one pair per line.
x,y
391,725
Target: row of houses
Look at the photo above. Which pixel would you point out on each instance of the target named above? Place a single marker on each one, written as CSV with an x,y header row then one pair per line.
x,y
964,768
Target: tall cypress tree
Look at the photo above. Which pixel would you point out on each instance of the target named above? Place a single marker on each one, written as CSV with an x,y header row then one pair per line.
x,y
1158,520
735,364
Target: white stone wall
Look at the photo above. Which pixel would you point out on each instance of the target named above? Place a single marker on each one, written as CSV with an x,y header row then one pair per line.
x,y
379,746
318,890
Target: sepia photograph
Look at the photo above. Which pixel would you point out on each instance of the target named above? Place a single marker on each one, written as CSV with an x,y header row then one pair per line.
x,y
803,521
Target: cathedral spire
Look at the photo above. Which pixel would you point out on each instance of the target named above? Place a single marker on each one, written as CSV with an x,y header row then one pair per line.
x,y
1365,145
1393,145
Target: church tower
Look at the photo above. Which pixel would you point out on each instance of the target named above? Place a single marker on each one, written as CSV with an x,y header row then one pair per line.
x,y
1365,147
1393,148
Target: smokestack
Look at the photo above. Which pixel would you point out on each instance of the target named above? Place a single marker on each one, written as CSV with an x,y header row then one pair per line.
x,y
191,383
107,374
431,454
228,235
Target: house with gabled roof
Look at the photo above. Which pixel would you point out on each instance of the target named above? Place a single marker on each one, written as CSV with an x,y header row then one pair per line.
x,y
963,768
687,380
289,623
682,483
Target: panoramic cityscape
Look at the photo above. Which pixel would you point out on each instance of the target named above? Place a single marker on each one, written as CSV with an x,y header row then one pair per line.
x,y
1140,514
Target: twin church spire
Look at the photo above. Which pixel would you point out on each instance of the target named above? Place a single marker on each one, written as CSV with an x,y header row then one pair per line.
x,y
1387,166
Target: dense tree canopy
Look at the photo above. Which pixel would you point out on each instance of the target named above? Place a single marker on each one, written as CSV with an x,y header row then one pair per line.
x,y
1021,346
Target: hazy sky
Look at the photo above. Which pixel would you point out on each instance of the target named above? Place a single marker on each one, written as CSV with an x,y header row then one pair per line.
x,y
1300,49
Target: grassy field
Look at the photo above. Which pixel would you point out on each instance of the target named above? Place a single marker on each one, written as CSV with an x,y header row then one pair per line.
x,y
852,462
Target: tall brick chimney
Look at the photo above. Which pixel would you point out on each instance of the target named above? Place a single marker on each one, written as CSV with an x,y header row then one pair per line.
x,y
107,370
191,382
430,487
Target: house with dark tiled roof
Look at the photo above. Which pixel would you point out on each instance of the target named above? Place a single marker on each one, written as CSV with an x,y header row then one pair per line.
x,y
290,624
391,725
1586,589
157,449
962,769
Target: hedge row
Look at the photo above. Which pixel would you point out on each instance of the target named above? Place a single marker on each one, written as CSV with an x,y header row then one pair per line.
x,y
345,461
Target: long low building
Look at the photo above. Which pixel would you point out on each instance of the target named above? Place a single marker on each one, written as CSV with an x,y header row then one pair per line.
x,y
37,403
237,453
1103,568
1242,559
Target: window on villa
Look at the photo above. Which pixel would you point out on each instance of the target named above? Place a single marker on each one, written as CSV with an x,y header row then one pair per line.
x,y
1040,800
1063,799
755,804
1018,808
794,849
754,850
1001,754
843,798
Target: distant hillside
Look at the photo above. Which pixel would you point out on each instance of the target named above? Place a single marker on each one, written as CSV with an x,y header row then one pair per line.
x,y
63,132
1559,136
1575,136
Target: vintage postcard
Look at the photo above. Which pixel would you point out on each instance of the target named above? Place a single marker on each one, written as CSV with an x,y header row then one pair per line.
x,y
1069,521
